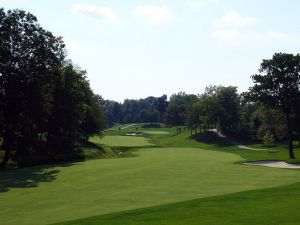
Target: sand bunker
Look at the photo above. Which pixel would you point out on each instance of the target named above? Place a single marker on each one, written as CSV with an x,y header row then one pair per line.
x,y
134,134
156,132
276,164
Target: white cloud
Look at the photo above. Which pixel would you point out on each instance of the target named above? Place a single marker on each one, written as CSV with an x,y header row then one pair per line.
x,y
199,3
157,14
231,26
232,20
104,13
196,3
225,34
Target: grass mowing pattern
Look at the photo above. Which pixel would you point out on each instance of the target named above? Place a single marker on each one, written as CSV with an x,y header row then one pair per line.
x,y
157,176
276,206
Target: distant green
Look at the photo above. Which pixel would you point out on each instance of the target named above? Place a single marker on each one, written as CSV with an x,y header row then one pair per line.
x,y
126,141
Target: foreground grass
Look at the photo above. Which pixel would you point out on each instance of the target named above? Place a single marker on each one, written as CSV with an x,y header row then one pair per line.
x,y
262,207
155,176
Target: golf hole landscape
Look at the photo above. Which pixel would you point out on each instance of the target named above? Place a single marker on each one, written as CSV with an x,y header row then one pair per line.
x,y
157,178
94,146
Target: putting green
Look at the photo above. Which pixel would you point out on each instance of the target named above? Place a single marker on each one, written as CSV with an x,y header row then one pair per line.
x,y
41,195
124,141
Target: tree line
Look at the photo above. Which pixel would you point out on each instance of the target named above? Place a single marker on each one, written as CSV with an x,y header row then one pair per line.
x,y
148,110
46,104
270,107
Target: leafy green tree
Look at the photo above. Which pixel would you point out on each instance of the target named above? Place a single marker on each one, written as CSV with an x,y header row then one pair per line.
x,y
272,120
46,105
209,107
268,139
76,113
219,106
29,56
229,101
177,110
277,86
94,120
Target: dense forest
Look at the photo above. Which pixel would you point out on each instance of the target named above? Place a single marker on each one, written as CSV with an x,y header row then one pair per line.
x,y
47,108
46,104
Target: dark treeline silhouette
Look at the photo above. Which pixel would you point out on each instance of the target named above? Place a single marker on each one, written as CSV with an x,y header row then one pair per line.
x,y
46,104
148,110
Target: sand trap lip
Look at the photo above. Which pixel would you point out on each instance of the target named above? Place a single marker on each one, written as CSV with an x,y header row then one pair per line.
x,y
273,163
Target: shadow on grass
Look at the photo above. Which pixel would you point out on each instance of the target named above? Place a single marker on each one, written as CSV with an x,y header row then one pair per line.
x,y
28,177
215,143
211,138
126,152
91,145
41,170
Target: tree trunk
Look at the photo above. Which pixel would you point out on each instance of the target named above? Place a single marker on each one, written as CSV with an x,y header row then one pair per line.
x,y
5,159
290,136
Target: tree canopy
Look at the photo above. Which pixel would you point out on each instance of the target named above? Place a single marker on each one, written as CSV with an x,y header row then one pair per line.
x,y
277,86
46,105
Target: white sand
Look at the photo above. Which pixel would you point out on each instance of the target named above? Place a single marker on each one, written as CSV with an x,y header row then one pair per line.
x,y
276,164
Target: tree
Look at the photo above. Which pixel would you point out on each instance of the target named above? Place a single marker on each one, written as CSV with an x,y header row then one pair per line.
x,y
29,56
268,139
277,86
209,107
46,105
177,110
230,106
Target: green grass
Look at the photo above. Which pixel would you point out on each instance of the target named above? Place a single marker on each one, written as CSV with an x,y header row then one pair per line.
x,y
200,178
92,150
156,176
262,207
121,141
211,141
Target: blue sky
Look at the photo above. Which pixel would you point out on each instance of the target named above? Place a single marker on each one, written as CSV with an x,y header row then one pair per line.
x,y
135,49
